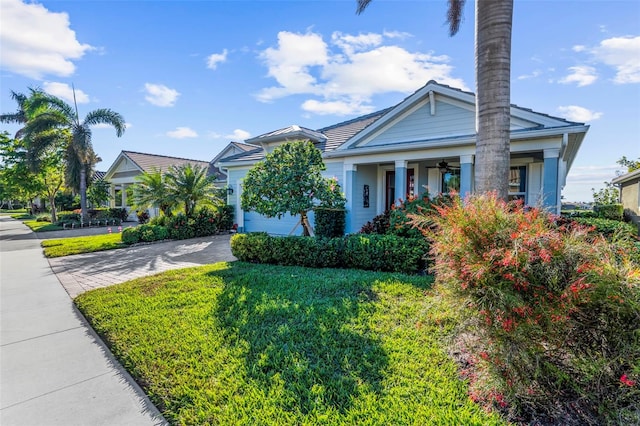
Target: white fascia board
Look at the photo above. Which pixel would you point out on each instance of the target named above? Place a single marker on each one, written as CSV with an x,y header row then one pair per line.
x,y
626,177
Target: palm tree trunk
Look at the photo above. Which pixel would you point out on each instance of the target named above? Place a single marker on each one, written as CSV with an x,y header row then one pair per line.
x,y
493,89
83,193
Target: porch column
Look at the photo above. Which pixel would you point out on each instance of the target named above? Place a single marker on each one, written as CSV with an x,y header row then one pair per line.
x,y
466,175
112,196
401,180
238,207
350,171
550,179
123,194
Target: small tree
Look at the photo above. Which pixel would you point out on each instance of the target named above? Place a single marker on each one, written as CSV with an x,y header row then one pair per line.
x,y
288,180
151,190
98,193
607,195
631,165
190,185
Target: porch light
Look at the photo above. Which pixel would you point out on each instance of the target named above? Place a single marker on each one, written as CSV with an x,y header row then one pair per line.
x,y
229,190
443,166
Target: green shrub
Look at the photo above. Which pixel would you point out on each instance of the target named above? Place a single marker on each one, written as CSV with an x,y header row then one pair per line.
x,y
378,225
370,252
610,211
329,222
224,217
68,218
205,222
143,216
578,213
553,311
161,220
608,227
130,236
118,213
181,227
43,218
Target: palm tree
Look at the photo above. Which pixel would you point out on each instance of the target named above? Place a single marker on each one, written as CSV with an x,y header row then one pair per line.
x,y
189,184
60,114
493,88
151,190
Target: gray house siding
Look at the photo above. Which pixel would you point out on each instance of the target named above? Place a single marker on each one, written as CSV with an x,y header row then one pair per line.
x,y
420,125
367,175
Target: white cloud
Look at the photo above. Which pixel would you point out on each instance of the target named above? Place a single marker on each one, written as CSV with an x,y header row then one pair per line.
x,y
238,135
623,54
36,42
217,58
579,114
582,75
182,133
335,107
65,92
534,74
343,76
579,48
160,95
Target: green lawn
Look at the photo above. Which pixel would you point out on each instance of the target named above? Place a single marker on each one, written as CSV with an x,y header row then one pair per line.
x,y
77,245
238,343
41,226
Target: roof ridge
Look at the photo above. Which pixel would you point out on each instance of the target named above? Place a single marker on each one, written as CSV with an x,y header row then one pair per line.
x,y
164,156
356,119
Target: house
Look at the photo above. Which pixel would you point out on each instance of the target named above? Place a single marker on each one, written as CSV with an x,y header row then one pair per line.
x,y
129,164
629,185
233,148
425,141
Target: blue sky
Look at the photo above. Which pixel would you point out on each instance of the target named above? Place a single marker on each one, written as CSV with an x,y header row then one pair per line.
x,y
190,76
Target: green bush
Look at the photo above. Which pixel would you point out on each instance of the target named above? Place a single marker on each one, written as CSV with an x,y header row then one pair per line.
x,y
377,225
610,211
118,213
205,222
224,217
553,309
329,222
130,236
68,219
145,233
370,252
181,227
608,227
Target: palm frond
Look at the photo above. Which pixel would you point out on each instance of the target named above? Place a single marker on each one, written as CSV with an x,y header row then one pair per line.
x,y
455,15
362,5
106,116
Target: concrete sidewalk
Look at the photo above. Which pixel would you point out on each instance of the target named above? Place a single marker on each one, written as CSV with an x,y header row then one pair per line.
x,y
54,370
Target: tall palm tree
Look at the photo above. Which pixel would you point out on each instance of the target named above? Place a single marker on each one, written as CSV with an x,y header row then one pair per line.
x,y
151,190
60,114
189,184
494,20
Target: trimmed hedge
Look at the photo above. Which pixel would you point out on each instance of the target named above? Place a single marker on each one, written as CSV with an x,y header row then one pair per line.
x,y
146,233
610,211
370,252
608,227
329,222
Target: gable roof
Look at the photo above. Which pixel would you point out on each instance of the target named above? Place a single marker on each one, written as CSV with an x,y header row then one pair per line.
x,y
626,177
341,139
150,162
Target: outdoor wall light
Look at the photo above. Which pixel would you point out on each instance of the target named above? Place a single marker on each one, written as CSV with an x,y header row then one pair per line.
x,y
229,190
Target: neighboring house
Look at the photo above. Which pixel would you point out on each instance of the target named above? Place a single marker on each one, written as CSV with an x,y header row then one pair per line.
x,y
629,185
122,174
233,148
425,141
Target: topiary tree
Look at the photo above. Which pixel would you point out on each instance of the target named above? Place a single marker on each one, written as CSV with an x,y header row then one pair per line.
x,y
288,180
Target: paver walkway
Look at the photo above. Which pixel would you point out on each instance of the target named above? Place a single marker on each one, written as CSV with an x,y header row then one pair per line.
x,y
83,272
54,370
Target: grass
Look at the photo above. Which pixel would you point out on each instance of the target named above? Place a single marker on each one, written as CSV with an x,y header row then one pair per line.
x,y
41,226
76,245
238,343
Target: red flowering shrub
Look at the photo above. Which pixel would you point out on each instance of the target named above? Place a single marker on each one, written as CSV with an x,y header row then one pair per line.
x,y
554,311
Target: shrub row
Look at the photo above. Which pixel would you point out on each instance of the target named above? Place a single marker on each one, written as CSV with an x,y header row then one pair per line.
x,y
370,252
608,227
180,227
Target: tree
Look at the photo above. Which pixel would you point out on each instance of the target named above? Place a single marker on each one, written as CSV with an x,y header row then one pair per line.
x,y
631,165
98,192
57,114
288,180
150,190
493,88
607,195
189,184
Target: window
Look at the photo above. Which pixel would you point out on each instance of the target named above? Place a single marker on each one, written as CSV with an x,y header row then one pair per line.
x,y
517,183
451,181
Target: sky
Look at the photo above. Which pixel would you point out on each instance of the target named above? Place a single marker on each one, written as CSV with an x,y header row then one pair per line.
x,y
191,76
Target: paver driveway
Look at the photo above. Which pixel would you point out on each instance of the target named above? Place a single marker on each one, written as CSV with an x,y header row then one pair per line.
x,y
83,272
